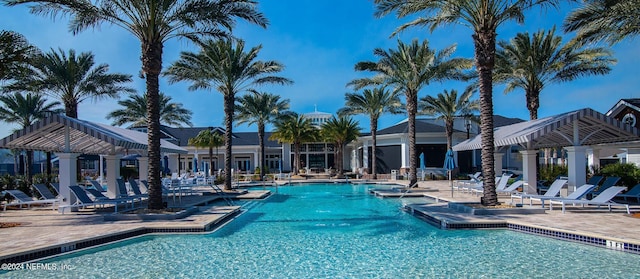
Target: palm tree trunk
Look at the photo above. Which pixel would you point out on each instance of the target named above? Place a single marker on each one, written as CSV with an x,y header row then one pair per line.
x,y
27,169
339,148
485,48
210,160
412,109
448,129
151,66
533,103
261,143
71,108
229,100
374,133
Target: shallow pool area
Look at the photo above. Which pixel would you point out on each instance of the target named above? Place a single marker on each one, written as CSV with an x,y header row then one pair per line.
x,y
337,231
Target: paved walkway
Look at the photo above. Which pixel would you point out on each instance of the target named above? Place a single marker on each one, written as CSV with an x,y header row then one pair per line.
x,y
43,229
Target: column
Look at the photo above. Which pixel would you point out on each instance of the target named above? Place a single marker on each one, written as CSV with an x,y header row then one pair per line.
x,y
529,166
143,168
286,157
633,156
365,156
577,156
113,173
497,165
67,176
404,152
101,169
593,158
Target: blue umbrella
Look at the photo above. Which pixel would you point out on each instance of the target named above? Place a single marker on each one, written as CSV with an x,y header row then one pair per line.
x,y
422,165
195,164
449,165
166,165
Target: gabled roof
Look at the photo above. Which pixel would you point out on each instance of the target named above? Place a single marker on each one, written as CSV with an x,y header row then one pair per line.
x,y
620,106
403,128
559,130
59,133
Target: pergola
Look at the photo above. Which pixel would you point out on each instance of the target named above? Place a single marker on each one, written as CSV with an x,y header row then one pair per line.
x,y
576,131
69,137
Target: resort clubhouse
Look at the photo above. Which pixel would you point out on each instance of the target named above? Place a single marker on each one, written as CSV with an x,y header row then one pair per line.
x,y
452,190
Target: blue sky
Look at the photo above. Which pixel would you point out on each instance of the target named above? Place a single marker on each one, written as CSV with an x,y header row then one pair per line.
x,y
319,42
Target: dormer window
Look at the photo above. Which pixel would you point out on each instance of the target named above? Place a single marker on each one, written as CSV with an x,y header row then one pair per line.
x,y
629,119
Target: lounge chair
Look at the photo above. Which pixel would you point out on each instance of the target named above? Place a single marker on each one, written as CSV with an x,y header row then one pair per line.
x,y
511,189
20,198
501,184
55,186
595,180
124,192
633,193
97,185
608,182
44,191
576,195
136,189
83,200
603,198
553,191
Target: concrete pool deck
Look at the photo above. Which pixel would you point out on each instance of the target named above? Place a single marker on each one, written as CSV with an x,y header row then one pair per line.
x,y
44,232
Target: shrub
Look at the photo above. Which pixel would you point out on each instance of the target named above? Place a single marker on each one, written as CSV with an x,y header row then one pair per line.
x,y
550,172
629,173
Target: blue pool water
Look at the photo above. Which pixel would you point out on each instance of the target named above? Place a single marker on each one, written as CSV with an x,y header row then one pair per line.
x,y
338,231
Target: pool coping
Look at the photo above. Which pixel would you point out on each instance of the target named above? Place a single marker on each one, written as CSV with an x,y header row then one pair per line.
x,y
593,239
72,246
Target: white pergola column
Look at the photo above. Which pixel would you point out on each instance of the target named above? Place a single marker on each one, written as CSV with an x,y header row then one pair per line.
x,y
529,167
404,152
577,156
497,167
286,157
143,168
256,160
593,158
67,176
365,155
101,169
113,173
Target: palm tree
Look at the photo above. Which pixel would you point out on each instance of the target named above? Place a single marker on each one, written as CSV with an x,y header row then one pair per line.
x,y
153,23
373,103
605,20
71,79
447,107
532,62
15,52
134,111
294,129
340,131
225,66
483,17
24,110
260,109
410,68
208,138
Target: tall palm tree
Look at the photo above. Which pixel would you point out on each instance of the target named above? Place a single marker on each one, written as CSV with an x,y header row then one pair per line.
x,y
260,109
15,52
532,62
340,131
483,17
294,129
72,79
447,106
373,103
605,20
153,22
24,110
408,69
209,139
225,66
134,111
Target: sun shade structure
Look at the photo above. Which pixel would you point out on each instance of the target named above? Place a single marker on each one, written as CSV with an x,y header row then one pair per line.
x,y
574,130
580,127
59,133
70,137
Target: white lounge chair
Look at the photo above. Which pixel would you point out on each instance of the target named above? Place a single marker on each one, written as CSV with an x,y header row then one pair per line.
x,y
20,198
603,198
576,195
554,190
511,189
83,200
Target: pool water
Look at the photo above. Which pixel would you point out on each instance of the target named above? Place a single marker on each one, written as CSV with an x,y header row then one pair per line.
x,y
339,231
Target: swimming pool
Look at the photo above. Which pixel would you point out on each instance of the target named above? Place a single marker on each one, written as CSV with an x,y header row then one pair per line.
x,y
338,231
